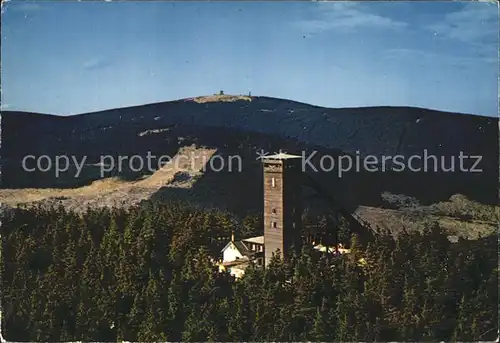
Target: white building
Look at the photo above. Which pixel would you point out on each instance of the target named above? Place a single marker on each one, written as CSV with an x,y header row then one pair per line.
x,y
237,255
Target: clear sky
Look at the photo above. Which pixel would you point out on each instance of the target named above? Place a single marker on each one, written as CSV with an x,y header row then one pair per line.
x,y
74,57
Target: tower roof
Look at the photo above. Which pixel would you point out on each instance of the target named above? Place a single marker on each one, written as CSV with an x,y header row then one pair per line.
x,y
256,240
281,156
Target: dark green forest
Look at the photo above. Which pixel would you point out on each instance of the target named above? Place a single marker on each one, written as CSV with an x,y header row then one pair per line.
x,y
146,274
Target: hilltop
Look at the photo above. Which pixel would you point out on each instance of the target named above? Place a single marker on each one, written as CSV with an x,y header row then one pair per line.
x,y
219,98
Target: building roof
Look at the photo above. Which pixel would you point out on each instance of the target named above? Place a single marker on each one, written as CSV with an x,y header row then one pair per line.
x,y
243,249
340,249
254,240
240,262
281,156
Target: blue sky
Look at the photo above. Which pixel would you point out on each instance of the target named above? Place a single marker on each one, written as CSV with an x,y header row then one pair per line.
x,y
75,57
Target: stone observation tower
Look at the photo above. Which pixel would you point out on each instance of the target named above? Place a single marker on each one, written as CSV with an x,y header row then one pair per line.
x,y
282,204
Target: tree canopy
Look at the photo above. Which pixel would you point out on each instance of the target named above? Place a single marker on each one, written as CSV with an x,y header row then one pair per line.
x,y
146,274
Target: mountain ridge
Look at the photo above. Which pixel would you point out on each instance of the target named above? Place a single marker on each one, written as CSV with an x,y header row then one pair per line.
x,y
253,97
262,122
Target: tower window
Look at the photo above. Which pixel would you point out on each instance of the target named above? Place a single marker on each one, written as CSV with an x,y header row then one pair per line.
x,y
274,210
273,225
273,182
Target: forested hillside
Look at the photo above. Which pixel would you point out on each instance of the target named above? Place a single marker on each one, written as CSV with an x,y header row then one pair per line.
x,y
145,274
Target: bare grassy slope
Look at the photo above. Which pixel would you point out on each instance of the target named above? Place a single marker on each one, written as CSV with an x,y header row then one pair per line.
x,y
397,220
115,192
458,216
